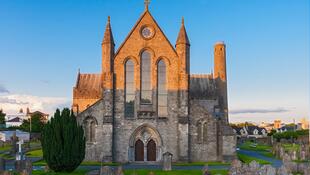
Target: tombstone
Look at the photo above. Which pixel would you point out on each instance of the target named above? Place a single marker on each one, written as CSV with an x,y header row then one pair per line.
x,y
205,170
302,155
167,161
254,166
25,172
282,171
46,169
307,170
19,155
267,170
19,165
28,166
281,152
235,168
119,171
105,170
14,140
2,164
294,155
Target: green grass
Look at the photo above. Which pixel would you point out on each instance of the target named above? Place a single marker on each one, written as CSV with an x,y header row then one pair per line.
x,y
255,146
247,159
291,147
174,172
86,163
201,164
6,156
6,148
35,153
41,172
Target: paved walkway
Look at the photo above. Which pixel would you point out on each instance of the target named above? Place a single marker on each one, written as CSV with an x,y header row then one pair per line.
x,y
274,162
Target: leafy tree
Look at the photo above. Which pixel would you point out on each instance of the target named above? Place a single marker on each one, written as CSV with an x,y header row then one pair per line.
x,y
63,142
2,118
37,124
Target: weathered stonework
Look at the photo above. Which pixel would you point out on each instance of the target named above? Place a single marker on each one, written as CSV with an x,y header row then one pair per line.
x,y
195,127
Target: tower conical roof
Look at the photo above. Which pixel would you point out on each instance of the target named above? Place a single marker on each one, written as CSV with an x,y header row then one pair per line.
x,y
182,37
108,36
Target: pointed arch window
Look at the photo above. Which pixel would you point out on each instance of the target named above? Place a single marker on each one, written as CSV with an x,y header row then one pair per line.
x,y
162,94
90,129
146,89
129,89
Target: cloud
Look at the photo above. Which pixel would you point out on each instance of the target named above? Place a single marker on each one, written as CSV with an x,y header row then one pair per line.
x,y
3,89
258,111
11,103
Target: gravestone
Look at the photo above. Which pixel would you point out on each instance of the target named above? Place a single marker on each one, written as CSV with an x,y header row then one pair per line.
x,y
235,168
205,170
105,170
254,166
167,161
19,166
7,173
282,152
302,155
28,166
19,155
46,169
282,171
294,155
2,164
119,171
267,170
14,140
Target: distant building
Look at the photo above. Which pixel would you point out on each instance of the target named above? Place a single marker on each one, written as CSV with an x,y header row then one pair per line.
x,y
6,135
250,132
267,126
304,123
14,122
277,124
16,119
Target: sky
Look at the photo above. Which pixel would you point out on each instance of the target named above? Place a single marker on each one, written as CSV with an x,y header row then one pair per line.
x,y
44,43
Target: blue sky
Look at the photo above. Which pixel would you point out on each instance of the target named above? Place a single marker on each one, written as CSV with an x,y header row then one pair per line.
x,y
43,43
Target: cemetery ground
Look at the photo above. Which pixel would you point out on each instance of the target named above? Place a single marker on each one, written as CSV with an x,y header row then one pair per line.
x,y
248,152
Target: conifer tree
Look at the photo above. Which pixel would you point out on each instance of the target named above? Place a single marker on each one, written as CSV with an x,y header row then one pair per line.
x,y
63,142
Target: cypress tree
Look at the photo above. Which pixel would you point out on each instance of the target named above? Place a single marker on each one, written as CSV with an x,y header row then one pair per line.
x,y
63,142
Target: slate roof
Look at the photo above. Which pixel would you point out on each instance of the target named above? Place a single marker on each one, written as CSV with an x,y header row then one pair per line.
x,y
88,86
16,119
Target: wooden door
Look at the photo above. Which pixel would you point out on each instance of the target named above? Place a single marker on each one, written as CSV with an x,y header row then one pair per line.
x,y
139,150
151,151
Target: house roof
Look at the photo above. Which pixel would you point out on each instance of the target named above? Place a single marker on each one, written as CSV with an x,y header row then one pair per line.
x,y
16,119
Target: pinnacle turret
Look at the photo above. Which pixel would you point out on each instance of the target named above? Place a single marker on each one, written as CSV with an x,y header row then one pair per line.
x,y
108,36
182,37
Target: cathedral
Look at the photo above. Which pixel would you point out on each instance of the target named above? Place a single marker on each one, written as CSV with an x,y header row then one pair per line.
x,y
145,102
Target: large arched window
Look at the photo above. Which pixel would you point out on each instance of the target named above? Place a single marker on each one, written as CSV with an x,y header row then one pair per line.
x,y
146,89
129,89
162,94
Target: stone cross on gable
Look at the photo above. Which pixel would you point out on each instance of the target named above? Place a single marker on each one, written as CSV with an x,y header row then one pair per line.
x,y
146,3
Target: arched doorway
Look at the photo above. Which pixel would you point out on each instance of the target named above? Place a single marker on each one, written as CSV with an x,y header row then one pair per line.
x,y
145,144
151,150
139,150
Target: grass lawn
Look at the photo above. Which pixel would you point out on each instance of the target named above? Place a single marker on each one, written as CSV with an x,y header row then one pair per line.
x,y
201,164
247,159
41,172
86,163
288,147
5,148
35,153
255,146
174,172
7,156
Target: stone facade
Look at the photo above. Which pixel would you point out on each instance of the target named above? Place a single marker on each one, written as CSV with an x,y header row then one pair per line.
x,y
187,118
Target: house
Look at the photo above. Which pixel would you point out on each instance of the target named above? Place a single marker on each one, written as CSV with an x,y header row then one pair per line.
x,y
17,121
